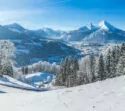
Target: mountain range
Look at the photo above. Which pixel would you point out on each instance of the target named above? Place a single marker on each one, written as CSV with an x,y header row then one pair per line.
x,y
103,32
16,31
52,45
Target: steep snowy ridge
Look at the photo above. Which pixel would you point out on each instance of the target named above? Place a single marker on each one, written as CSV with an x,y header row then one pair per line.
x,y
108,95
88,27
105,25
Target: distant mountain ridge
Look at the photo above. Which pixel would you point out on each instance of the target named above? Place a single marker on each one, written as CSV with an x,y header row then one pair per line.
x,y
103,32
17,31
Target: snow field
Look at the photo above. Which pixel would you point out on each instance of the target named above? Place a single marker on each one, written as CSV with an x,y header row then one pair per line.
x,y
108,95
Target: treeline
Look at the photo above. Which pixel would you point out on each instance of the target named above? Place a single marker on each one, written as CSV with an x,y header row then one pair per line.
x,y
90,69
66,76
41,66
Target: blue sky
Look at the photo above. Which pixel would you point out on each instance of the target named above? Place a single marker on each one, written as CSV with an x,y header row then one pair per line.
x,y
62,14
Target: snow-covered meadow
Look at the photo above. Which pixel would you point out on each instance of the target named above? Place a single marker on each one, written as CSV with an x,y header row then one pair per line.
x,y
108,95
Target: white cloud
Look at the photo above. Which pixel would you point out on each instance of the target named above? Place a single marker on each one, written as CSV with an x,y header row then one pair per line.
x,y
13,15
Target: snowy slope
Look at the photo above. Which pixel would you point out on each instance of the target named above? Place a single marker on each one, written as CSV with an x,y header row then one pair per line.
x,y
108,95
36,78
11,82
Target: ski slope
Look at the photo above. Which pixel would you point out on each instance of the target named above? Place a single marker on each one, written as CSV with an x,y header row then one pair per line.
x,y
108,95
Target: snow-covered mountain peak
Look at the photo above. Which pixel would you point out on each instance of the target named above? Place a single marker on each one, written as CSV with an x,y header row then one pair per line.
x,y
106,25
15,27
89,26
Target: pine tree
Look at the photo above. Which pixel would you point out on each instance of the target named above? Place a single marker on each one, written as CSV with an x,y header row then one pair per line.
x,y
76,64
113,62
23,70
84,67
60,77
67,75
68,72
120,70
26,69
122,51
117,54
74,69
101,71
63,76
80,78
108,64
8,70
92,67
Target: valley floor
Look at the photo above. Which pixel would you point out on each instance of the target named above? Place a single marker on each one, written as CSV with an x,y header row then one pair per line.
x,y
108,95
